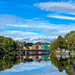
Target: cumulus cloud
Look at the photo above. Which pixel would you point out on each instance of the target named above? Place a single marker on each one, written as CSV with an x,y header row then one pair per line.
x,y
27,36
57,6
31,30
40,38
8,21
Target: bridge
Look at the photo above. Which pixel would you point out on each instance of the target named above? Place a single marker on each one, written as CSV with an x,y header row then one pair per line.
x,y
35,52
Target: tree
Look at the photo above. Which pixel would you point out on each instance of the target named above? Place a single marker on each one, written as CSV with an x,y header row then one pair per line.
x,y
8,44
59,42
70,39
1,45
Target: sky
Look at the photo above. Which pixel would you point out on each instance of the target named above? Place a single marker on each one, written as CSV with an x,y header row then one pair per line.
x,y
36,20
33,68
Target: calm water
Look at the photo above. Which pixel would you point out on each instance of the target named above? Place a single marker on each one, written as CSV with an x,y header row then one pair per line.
x,y
37,65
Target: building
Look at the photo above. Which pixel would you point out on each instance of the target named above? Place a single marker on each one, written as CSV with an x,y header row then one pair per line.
x,y
46,46
39,47
49,45
58,51
29,45
33,46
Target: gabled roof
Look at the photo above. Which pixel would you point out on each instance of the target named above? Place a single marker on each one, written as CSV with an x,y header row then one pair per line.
x,y
46,46
28,44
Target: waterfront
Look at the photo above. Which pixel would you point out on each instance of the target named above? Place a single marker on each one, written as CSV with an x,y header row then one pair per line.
x,y
37,37
37,65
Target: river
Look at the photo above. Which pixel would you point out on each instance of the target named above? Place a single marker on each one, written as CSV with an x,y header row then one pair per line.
x,y
37,65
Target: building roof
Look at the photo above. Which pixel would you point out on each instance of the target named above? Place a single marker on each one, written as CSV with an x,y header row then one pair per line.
x,y
28,44
46,46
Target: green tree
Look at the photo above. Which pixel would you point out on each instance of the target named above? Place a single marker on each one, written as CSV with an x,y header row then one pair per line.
x,y
1,45
59,42
70,39
8,44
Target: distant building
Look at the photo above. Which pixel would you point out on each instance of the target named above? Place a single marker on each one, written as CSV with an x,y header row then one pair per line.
x,y
33,46
41,46
37,47
46,46
49,45
28,45
63,50
58,51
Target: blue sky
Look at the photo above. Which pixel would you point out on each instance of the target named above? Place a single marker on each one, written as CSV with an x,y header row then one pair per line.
x,y
36,20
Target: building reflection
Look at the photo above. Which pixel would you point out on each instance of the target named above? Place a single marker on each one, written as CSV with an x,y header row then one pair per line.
x,y
34,58
37,58
64,61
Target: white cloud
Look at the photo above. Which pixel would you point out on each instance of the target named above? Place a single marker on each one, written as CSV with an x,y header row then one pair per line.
x,y
9,19
53,29
57,6
62,17
46,26
43,38
39,38
60,29
16,33
33,30
22,32
27,36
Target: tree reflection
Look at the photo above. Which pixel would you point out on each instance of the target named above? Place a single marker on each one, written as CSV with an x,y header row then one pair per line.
x,y
8,62
64,64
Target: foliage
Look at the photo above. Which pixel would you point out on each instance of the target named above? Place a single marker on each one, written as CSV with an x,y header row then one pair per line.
x,y
70,39
67,42
23,43
8,46
59,42
39,43
67,65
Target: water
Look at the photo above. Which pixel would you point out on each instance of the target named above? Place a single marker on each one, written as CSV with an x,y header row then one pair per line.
x,y
37,65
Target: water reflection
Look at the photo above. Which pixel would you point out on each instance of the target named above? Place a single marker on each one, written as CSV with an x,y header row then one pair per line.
x,y
37,58
37,65
63,63
33,68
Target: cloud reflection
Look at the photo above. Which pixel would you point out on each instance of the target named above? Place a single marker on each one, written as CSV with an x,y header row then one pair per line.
x,y
33,68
